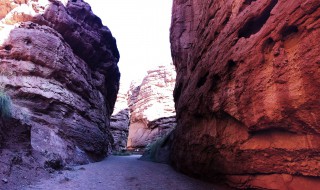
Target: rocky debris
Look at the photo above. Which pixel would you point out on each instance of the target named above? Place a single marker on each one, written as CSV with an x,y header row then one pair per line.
x,y
58,63
19,168
119,123
152,113
247,91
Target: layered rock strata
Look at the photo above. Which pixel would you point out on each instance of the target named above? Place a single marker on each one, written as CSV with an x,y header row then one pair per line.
x,y
119,123
247,91
58,64
152,113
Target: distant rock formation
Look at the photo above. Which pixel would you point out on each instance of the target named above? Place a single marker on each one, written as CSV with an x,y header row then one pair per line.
x,y
119,123
247,93
58,63
152,113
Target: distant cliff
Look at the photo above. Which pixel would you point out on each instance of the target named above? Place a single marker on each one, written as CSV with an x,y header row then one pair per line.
x,y
151,105
119,123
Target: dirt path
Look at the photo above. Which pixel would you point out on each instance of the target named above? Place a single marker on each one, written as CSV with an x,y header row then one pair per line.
x,y
121,173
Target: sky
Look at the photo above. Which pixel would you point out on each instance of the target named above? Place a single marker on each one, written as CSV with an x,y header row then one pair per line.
x,y
141,28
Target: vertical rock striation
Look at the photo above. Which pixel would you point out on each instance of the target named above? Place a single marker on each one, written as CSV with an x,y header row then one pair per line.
x,y
58,63
247,91
119,123
152,113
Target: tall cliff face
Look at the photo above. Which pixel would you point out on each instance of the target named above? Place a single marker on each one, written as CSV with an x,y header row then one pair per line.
x,y
151,105
58,63
119,123
247,91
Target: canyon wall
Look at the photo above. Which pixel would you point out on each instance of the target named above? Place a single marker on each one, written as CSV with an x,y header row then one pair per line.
x,y
58,63
119,123
152,113
247,91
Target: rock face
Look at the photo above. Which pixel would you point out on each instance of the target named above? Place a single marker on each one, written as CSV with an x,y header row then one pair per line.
x,y
152,113
119,123
247,91
58,63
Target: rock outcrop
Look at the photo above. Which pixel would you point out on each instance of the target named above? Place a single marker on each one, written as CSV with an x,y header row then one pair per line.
x,y
119,123
58,63
247,91
152,113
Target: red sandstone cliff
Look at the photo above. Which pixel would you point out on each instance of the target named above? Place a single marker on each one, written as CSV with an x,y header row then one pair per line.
x,y
58,63
247,91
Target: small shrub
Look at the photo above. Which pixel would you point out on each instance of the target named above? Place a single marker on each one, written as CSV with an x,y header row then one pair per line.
x,y
5,105
54,162
153,148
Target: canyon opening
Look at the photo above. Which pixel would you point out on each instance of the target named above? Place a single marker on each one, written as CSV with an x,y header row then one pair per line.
x,y
135,94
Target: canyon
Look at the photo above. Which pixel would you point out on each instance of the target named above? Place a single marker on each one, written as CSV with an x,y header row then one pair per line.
x,y
244,111
246,92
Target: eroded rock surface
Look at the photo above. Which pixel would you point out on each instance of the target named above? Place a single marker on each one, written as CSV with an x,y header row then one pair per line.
x,y
152,113
119,123
247,91
58,63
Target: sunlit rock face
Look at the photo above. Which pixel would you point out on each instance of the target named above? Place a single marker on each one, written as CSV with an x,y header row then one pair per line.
x,y
58,63
119,123
152,113
247,91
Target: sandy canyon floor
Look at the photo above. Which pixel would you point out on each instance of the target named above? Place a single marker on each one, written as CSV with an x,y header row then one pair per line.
x,y
120,172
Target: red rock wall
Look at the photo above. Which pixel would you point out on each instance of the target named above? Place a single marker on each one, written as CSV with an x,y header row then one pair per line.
x,y
247,91
58,63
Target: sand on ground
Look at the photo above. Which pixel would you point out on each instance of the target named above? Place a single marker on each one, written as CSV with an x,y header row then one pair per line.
x,y
121,173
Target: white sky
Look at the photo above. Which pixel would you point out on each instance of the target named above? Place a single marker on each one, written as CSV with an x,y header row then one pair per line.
x,y
141,28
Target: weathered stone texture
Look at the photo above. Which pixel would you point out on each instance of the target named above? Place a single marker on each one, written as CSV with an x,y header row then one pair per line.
x,y
152,112
119,123
247,90
58,63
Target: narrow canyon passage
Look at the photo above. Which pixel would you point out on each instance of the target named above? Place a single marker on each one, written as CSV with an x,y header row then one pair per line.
x,y
239,100
122,172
